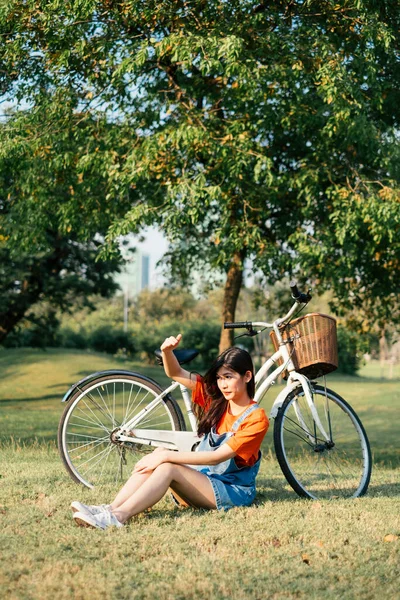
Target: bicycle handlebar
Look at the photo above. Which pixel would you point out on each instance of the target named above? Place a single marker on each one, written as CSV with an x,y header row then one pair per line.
x,y
238,325
294,289
299,297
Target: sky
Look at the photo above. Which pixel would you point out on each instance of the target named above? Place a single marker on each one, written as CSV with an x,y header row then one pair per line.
x,y
154,245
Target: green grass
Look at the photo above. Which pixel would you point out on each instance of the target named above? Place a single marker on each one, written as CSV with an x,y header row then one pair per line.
x,y
282,547
33,383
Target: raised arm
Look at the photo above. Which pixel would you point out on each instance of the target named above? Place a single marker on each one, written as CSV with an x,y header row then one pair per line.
x,y
171,365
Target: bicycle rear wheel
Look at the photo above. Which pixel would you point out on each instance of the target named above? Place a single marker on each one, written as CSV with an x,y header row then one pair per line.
x,y
315,468
90,453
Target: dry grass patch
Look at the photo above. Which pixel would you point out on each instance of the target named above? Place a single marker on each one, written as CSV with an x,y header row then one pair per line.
x,y
281,547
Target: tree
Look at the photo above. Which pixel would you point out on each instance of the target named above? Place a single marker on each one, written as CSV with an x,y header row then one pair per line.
x,y
262,132
66,272
46,252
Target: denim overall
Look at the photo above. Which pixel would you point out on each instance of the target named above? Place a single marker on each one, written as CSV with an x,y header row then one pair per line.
x,y
232,485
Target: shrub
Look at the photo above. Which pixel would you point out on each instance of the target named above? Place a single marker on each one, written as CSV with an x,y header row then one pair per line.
x,y
350,348
148,339
106,339
35,332
73,339
197,335
204,337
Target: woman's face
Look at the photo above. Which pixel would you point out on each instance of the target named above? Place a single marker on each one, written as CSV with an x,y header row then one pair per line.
x,y
232,384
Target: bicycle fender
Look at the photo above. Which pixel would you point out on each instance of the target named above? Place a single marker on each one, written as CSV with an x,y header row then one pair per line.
x,y
93,376
281,397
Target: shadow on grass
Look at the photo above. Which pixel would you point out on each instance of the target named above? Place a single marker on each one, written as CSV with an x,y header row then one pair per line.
x,y
275,490
83,374
11,360
386,490
65,385
15,401
271,492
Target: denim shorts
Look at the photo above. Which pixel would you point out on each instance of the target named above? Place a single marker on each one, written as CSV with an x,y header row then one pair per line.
x,y
229,495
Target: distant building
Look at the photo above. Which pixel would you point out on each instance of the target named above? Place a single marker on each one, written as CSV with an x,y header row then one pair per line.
x,y
145,271
135,275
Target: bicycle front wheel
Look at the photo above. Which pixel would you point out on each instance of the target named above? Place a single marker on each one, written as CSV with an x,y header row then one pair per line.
x,y
315,467
91,455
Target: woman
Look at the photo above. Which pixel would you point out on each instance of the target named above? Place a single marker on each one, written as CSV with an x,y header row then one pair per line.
x,y
222,471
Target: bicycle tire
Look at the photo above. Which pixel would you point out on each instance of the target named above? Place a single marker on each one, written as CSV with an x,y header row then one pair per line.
x,y
94,410
312,467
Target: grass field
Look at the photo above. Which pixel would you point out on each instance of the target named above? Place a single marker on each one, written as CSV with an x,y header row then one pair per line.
x,y
281,547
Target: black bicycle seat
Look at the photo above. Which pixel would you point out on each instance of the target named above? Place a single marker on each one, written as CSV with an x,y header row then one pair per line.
x,y
183,356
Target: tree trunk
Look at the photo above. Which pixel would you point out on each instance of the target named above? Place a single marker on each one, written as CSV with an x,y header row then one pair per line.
x,y
232,288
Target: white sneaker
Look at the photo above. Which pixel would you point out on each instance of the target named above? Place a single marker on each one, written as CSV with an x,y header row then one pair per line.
x,y
89,509
100,521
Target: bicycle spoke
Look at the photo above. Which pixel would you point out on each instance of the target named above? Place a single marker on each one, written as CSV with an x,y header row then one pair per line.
x,y
106,461
93,400
99,422
335,469
155,425
135,408
340,465
113,405
101,440
125,419
85,442
104,402
87,420
93,437
88,449
296,424
93,458
85,426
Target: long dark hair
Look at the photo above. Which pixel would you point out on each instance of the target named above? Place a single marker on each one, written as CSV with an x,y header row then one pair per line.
x,y
239,361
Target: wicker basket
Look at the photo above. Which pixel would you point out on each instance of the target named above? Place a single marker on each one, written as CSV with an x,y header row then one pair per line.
x,y
312,344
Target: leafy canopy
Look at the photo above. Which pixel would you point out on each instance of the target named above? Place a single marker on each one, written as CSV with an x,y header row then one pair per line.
x,y
264,131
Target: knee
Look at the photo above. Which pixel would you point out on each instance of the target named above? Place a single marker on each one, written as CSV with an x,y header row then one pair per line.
x,y
166,470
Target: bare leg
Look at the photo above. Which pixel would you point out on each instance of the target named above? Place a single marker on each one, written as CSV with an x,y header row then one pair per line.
x,y
188,483
135,481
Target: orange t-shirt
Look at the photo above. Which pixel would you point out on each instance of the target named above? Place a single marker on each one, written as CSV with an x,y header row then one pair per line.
x,y
246,441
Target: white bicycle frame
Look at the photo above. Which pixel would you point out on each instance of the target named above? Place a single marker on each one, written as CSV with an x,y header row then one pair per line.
x,y
187,440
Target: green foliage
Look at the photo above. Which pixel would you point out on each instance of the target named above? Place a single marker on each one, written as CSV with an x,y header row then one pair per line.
x,y
40,330
261,132
73,339
204,337
64,274
200,335
47,251
153,307
107,312
105,339
350,349
155,315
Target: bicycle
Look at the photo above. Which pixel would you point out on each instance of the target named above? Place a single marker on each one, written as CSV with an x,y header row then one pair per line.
x,y
320,442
